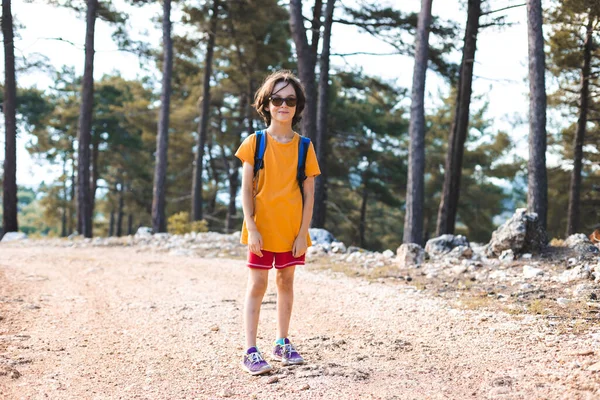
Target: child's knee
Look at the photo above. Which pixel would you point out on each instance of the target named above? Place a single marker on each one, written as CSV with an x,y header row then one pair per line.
x,y
257,287
285,282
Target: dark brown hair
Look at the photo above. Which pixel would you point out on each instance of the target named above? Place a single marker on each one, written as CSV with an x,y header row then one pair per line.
x,y
261,99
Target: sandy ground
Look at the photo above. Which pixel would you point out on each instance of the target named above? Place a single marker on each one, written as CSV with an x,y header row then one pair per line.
x,y
116,323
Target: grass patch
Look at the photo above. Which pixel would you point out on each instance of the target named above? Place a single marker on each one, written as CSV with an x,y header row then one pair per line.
x,y
539,307
347,269
475,302
386,271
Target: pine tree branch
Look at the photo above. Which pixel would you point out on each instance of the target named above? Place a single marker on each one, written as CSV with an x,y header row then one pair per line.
x,y
365,53
81,47
503,9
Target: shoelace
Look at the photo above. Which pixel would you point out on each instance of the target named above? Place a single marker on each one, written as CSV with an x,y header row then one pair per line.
x,y
255,357
287,350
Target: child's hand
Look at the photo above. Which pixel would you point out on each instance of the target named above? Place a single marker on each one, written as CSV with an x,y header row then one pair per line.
x,y
255,243
300,246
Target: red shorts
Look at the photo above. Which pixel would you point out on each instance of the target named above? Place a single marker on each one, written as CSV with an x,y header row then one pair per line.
x,y
280,260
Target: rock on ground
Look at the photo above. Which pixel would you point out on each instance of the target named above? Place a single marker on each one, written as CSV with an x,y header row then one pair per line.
x,y
409,255
321,236
13,236
445,244
522,233
581,243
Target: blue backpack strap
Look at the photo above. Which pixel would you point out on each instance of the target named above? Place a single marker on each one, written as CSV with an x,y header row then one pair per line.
x,y
259,151
303,146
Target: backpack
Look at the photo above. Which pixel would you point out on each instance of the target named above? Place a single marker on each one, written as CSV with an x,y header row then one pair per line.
x,y
259,152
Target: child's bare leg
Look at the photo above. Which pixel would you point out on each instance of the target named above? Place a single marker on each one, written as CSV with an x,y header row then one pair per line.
x,y
285,299
255,291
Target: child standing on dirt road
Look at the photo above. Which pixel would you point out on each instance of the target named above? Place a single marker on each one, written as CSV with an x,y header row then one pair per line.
x,y
277,198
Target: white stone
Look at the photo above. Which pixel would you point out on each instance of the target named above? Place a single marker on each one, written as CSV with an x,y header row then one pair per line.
x,y
337,247
320,236
499,275
581,243
531,272
409,255
459,269
571,261
355,257
444,244
507,255
577,273
563,302
388,253
144,232
583,291
527,286
461,252
181,252
13,236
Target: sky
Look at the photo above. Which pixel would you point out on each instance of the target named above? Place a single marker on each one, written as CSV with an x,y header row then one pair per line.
x,y
500,70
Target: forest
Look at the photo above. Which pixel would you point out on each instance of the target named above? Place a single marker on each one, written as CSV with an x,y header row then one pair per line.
x,y
158,151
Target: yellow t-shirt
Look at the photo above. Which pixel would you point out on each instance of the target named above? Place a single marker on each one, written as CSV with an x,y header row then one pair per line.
x,y
278,202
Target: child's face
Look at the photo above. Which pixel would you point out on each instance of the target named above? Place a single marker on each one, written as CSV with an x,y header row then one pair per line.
x,y
283,113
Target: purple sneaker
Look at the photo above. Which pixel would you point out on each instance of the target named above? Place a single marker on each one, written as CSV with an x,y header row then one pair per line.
x,y
287,354
254,363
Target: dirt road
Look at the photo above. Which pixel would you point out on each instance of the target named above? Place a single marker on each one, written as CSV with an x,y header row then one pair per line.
x,y
115,323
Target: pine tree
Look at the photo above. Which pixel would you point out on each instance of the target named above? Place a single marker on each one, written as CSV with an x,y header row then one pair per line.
x,y
320,207
203,125
454,159
537,183
413,219
9,181
574,45
159,221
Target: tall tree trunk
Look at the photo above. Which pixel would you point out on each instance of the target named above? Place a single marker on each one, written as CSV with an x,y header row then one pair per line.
x,y
316,29
362,226
203,125
65,205
537,184
320,208
213,176
120,210
9,183
212,170
95,173
249,109
413,217
446,219
130,224
74,221
84,200
231,209
306,67
575,187
233,170
159,222
111,224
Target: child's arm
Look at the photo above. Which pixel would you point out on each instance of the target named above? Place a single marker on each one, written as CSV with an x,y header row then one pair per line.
x,y
255,242
300,244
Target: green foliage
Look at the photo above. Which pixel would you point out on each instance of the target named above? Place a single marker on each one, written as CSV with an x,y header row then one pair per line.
x,y
487,167
367,131
398,28
251,39
367,153
179,224
569,21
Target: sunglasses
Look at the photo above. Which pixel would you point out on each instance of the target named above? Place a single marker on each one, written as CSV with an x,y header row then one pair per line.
x,y
289,101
